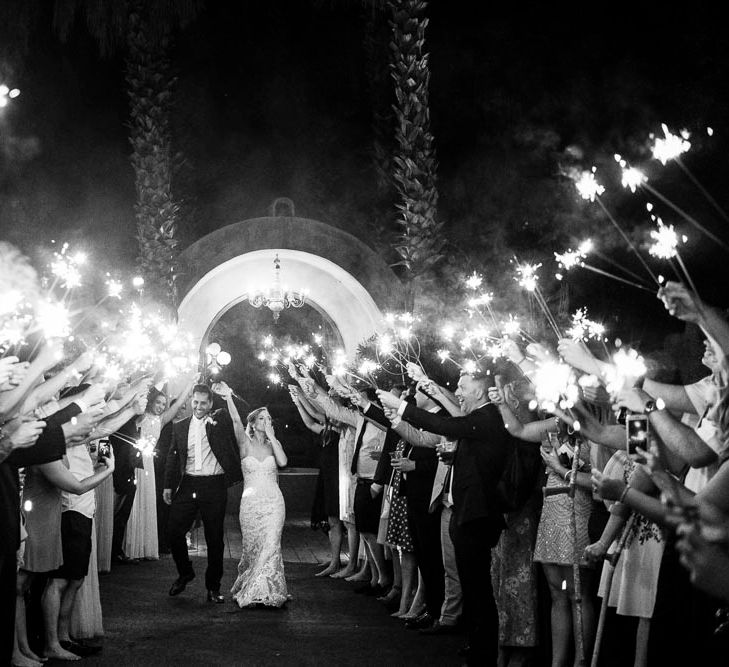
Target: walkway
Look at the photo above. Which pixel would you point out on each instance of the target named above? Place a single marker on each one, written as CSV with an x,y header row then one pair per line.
x,y
324,624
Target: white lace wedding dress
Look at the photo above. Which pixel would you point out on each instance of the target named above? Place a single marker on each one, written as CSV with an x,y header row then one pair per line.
x,y
261,577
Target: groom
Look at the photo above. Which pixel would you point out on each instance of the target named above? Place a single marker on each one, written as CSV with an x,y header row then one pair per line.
x,y
202,461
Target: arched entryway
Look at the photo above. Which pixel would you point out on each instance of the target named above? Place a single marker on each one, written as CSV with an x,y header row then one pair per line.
x,y
347,281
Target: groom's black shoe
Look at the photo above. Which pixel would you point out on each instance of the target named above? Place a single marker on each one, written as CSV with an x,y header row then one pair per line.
x,y
180,583
216,597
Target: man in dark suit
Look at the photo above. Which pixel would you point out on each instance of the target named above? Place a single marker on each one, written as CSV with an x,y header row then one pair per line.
x,y
477,519
203,460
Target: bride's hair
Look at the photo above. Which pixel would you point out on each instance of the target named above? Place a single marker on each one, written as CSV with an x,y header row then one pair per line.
x,y
251,419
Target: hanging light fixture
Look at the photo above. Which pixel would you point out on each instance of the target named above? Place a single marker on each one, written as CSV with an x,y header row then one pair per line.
x,y
276,297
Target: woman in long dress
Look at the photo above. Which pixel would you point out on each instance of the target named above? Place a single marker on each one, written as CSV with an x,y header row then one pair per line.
x,y
261,580
140,539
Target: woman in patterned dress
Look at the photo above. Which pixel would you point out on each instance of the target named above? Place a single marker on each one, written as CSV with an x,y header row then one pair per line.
x,y
555,548
398,536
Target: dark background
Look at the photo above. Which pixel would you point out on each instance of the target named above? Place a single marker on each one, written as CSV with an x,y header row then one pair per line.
x,y
277,99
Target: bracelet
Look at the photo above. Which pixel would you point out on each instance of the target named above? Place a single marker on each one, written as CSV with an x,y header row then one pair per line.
x,y
624,493
567,475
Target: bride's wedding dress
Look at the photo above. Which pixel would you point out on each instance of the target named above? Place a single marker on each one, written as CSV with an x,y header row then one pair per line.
x,y
262,512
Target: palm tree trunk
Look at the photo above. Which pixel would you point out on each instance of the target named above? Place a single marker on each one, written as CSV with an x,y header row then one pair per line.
x,y
414,163
149,86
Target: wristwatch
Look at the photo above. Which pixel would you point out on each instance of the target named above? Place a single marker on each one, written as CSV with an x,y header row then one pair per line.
x,y
652,406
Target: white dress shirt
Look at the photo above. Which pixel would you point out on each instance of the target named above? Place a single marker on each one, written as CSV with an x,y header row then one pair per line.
x,y
80,466
200,458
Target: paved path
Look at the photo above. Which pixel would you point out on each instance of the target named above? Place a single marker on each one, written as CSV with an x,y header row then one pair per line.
x,y
299,544
324,624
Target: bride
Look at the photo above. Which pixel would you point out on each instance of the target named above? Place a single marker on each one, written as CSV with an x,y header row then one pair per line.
x,y
261,579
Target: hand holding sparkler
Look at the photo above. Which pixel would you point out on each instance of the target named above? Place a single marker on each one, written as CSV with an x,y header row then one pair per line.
x,y
680,302
539,352
632,398
607,487
415,372
512,351
388,400
496,395
6,368
22,432
94,395
12,372
577,354
223,390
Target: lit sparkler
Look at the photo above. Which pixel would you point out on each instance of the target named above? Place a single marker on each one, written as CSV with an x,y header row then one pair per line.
x,y
672,146
587,186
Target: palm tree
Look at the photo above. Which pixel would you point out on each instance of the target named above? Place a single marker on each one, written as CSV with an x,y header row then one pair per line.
x,y
420,244
142,30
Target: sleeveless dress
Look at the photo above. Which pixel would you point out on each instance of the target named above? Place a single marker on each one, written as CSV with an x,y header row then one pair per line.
x,y
140,539
555,544
635,580
398,529
261,577
42,511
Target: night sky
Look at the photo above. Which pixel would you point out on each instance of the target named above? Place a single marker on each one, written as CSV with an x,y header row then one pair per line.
x,y
276,99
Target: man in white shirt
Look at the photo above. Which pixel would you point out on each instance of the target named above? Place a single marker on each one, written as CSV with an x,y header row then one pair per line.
x,y
203,460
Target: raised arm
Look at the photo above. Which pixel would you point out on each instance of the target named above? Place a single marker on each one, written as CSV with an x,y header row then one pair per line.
x,y
170,413
60,476
678,438
278,452
534,431
11,400
310,423
320,399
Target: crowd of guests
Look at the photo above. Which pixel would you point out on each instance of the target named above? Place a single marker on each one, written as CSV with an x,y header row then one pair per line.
x,y
600,550
471,509
79,494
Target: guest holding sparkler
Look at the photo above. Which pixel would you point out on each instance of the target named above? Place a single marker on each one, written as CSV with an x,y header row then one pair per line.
x,y
328,483
140,540
368,501
555,547
477,518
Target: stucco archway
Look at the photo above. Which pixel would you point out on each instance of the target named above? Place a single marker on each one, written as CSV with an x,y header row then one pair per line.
x,y
346,279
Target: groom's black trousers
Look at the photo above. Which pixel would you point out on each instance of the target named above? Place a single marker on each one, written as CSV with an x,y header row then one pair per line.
x,y
208,495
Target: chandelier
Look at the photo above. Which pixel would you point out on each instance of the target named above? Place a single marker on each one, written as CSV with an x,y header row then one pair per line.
x,y
276,297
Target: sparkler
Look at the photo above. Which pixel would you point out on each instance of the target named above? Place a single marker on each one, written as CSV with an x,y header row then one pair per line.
x,y
665,246
528,278
633,179
627,366
585,329
590,189
7,94
554,385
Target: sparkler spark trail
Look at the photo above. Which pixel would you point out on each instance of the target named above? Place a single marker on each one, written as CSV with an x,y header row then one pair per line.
x,y
672,146
527,278
587,186
665,244
571,258
584,329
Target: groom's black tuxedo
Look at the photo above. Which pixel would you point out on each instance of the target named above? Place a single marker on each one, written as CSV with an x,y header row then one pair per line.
x,y
221,437
206,494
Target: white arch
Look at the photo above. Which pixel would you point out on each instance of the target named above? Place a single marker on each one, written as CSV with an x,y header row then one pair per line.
x,y
330,287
